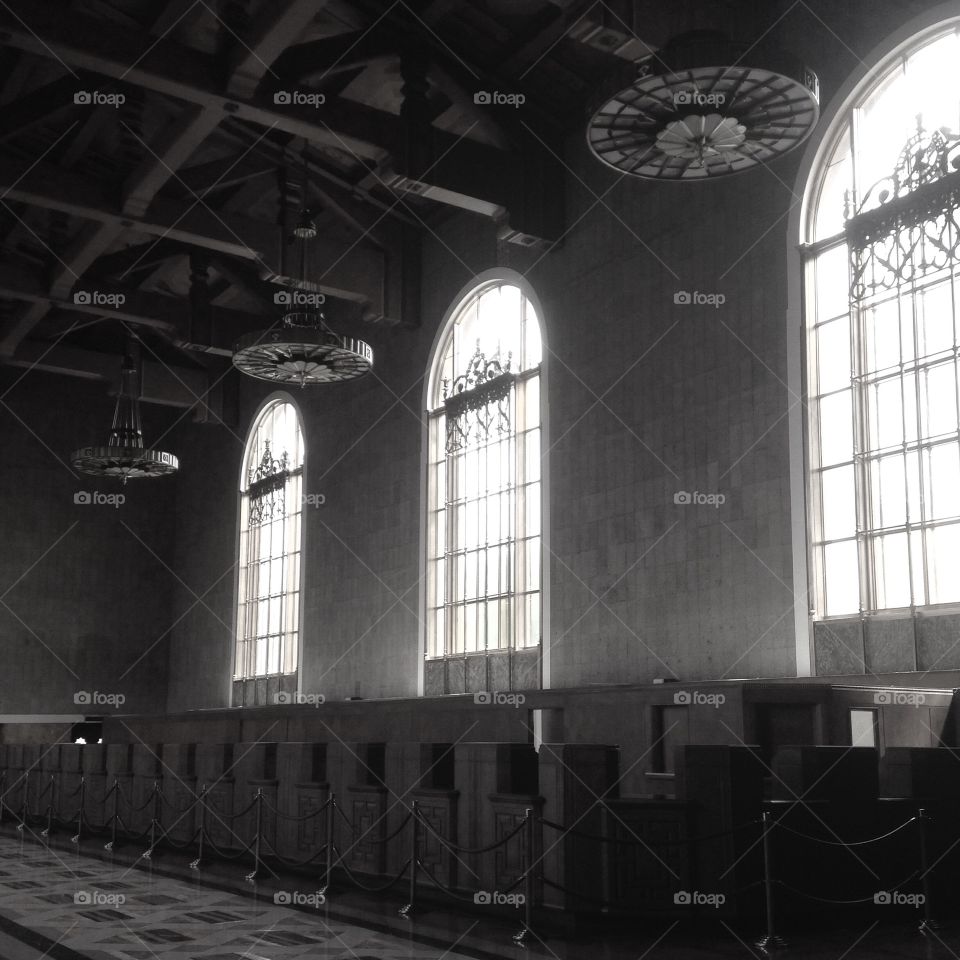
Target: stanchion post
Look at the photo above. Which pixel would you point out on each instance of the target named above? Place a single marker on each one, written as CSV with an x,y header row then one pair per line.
x,y
154,822
328,859
53,796
202,800
408,908
23,809
258,800
930,924
771,940
116,815
521,935
23,803
3,795
83,798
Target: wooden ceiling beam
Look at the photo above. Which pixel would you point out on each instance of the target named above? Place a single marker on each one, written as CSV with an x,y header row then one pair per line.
x,y
37,107
161,383
203,178
162,160
174,70
117,302
304,61
276,28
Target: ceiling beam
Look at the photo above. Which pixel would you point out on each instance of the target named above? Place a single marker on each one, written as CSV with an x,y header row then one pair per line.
x,y
342,268
160,383
169,68
341,52
46,185
204,178
38,106
276,28
174,147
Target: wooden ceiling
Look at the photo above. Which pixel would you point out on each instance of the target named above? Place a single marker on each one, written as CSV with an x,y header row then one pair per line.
x,y
147,146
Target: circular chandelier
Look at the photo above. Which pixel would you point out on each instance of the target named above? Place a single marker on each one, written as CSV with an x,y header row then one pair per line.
x,y
303,349
685,115
124,456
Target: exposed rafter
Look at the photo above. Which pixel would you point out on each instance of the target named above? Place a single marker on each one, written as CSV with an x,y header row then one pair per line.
x,y
172,69
278,26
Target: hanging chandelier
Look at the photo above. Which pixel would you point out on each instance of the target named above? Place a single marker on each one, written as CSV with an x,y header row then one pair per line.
x,y
685,115
303,349
124,456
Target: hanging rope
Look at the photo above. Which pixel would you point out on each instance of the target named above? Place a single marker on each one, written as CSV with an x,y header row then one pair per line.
x,y
472,851
292,863
867,899
292,817
779,825
366,887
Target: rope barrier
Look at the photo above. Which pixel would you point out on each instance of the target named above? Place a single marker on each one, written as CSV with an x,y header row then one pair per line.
x,y
70,796
179,811
840,843
600,838
600,901
368,889
395,833
228,856
178,845
471,851
231,816
867,899
293,863
143,806
262,848
104,798
449,892
292,817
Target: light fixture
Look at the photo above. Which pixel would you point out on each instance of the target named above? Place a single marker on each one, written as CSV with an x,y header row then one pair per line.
x,y
694,111
124,456
303,349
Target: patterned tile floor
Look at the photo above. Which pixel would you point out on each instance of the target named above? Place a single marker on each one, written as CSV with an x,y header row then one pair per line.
x,y
102,911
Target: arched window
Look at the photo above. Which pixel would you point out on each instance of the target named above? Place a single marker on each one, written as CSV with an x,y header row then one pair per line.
x,y
483,477
882,265
268,594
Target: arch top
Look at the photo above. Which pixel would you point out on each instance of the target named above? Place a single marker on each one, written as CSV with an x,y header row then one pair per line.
x,y
911,78
493,324
276,431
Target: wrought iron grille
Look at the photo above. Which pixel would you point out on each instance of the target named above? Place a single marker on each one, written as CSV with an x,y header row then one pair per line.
x,y
267,488
906,226
477,404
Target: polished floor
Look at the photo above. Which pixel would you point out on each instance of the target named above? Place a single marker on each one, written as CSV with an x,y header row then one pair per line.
x,y
58,902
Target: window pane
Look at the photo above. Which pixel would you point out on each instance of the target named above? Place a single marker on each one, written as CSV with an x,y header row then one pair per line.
x,y
935,322
892,412
531,455
882,329
833,355
892,570
833,283
940,400
942,473
839,503
837,180
531,404
836,428
888,492
943,551
841,566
